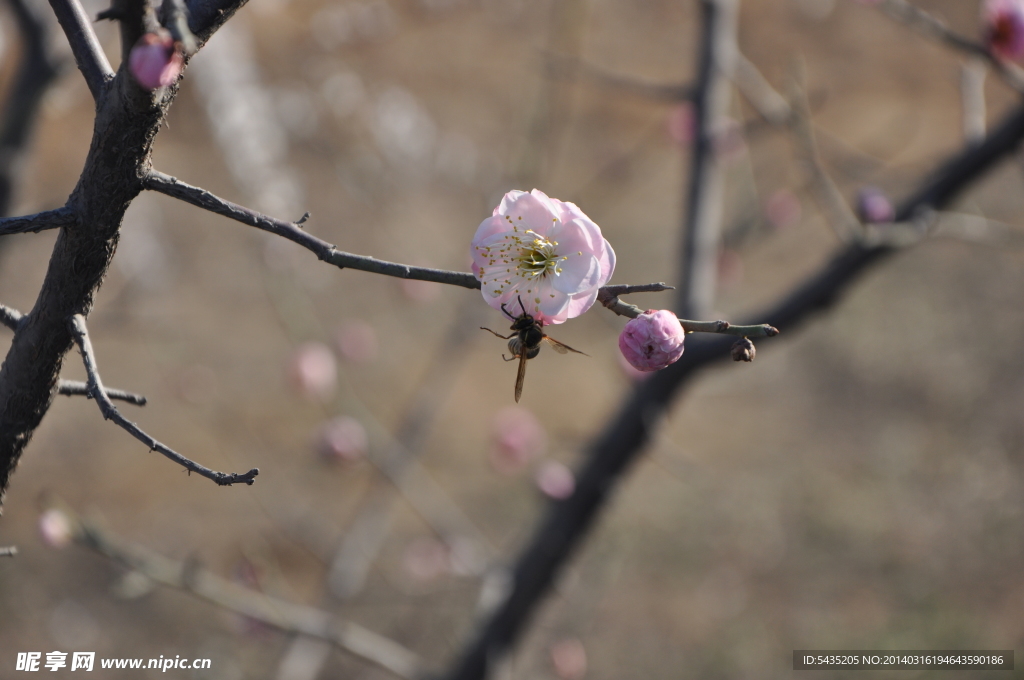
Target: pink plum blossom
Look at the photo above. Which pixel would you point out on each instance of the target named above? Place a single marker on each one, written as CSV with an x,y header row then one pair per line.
x,y
555,480
873,206
55,528
782,209
155,61
356,341
653,340
313,370
543,251
569,659
517,437
426,558
1003,27
343,439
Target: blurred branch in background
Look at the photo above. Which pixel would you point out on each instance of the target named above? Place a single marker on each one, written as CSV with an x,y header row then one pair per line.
x,y
972,96
703,207
611,453
933,27
401,477
36,72
191,578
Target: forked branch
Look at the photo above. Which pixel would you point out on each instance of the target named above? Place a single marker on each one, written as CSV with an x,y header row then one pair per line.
x,y
76,388
11,318
80,333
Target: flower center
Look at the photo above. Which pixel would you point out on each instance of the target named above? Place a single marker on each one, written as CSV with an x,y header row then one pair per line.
x,y
538,256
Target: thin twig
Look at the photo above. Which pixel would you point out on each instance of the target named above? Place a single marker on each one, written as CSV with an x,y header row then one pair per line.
x,y
76,388
9,551
89,55
49,219
561,66
80,333
621,308
283,615
840,215
932,27
702,220
165,184
11,318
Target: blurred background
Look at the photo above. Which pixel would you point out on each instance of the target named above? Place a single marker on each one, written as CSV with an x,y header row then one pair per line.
x,y
858,486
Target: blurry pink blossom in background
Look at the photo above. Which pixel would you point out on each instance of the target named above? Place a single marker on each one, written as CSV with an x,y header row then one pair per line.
x,y
555,480
55,528
681,123
420,291
542,250
873,206
517,437
426,558
343,439
1003,27
356,341
154,60
653,340
569,659
782,209
313,370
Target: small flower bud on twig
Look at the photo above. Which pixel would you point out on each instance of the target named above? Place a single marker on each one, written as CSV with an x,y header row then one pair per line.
x,y
743,350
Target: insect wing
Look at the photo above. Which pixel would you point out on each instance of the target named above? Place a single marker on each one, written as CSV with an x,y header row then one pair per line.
x,y
562,348
521,376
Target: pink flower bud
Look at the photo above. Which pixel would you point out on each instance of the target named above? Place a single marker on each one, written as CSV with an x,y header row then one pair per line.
x,y
873,206
569,659
517,436
55,528
1003,27
313,370
653,340
343,439
154,61
555,480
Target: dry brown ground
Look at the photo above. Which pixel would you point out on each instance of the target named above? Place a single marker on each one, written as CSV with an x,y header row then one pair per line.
x,y
861,485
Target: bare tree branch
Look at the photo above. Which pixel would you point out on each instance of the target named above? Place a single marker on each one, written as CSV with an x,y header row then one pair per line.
x,y
286,616
11,318
756,89
8,551
85,45
611,453
175,19
76,388
702,220
81,336
49,219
